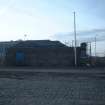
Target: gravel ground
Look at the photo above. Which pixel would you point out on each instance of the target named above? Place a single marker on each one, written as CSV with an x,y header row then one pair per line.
x,y
47,89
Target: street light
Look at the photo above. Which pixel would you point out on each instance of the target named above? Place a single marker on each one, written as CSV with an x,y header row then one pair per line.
x,y
75,39
25,35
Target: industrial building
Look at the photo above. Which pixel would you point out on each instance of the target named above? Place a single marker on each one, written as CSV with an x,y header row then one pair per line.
x,y
42,53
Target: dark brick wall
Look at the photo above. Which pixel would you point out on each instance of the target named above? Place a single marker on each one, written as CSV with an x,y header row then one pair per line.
x,y
43,57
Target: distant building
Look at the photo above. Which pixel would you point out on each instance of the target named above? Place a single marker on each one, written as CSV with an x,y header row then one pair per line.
x,y
40,53
3,50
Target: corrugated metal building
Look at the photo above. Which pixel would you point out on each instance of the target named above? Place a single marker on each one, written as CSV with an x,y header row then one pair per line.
x,y
41,53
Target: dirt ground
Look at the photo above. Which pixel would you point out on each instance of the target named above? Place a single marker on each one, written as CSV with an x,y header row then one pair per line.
x,y
51,89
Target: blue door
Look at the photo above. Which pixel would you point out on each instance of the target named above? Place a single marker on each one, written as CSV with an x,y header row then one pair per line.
x,y
20,58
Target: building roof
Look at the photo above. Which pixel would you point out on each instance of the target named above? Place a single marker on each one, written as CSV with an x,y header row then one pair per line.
x,y
39,44
8,44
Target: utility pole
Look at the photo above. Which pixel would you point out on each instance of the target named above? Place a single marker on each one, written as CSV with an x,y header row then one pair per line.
x,y
75,39
90,54
90,50
95,44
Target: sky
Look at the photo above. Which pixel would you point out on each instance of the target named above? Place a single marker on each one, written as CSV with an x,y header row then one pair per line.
x,y
46,19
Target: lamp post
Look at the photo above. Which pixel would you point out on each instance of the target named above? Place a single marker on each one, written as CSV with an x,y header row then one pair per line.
x,y
95,45
75,39
25,35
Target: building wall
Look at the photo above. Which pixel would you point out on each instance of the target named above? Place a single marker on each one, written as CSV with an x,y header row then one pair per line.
x,y
3,50
42,57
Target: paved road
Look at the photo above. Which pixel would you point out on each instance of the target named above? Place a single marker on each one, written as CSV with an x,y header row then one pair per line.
x,y
76,72
47,90
39,88
92,70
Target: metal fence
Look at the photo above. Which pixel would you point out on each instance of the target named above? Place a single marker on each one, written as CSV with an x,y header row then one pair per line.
x,y
95,40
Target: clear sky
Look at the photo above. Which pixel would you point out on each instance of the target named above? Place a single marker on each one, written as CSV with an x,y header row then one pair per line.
x,y
41,19
52,19
44,19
